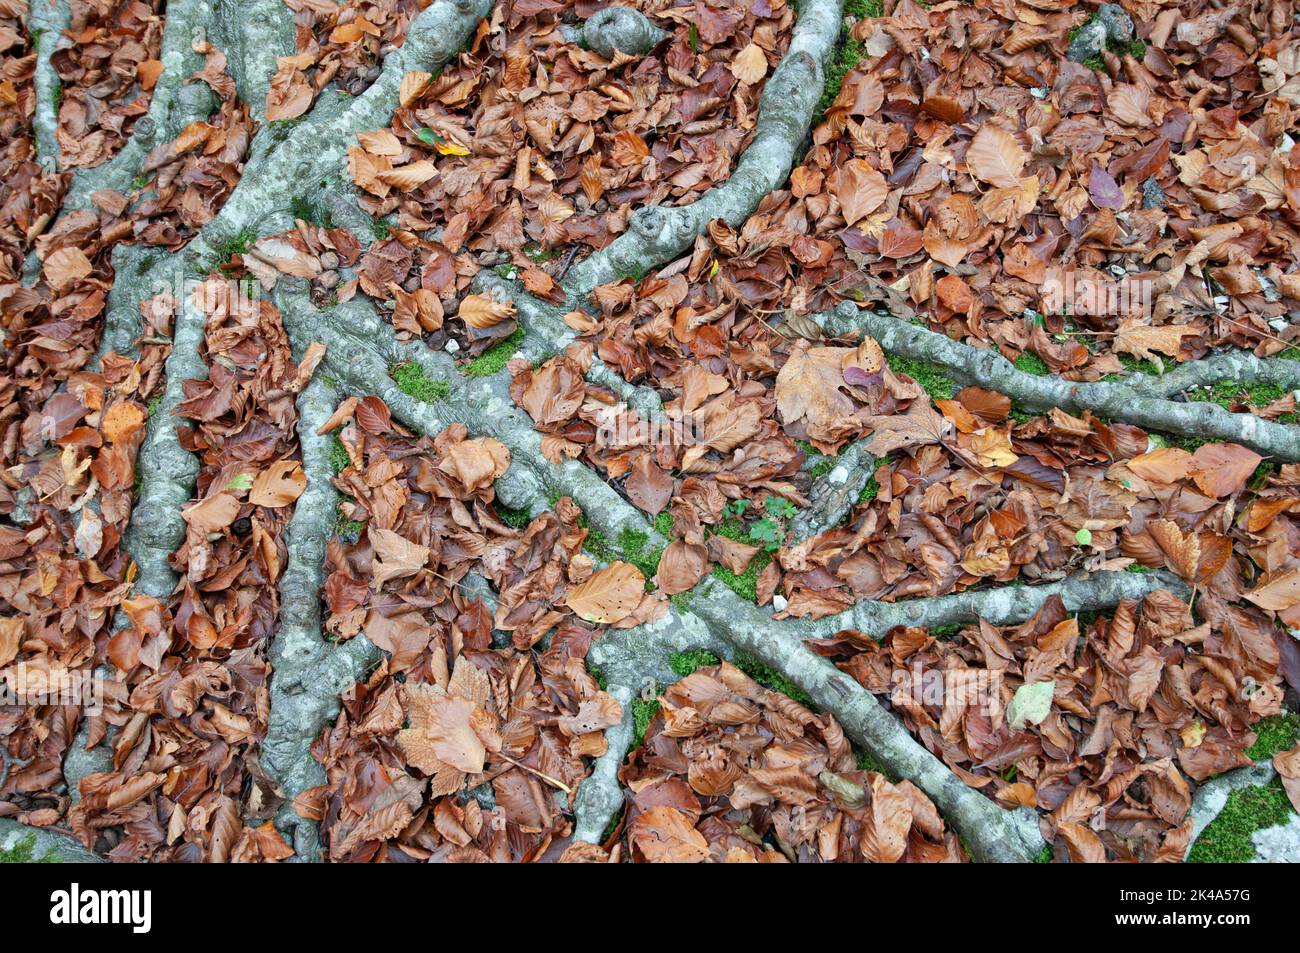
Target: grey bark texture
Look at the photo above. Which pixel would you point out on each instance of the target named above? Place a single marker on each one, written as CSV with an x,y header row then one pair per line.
x,y
1116,400
616,29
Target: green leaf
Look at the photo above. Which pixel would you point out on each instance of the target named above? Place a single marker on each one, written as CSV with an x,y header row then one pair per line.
x,y
241,481
1030,705
429,137
1083,537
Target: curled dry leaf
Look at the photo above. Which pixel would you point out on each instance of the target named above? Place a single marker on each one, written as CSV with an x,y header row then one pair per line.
x,y
476,463
484,311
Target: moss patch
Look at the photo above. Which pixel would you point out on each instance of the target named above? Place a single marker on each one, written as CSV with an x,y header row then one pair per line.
x,y
771,679
632,547
643,712
412,381
1273,734
519,519
24,852
1227,839
338,454
685,663
1031,363
495,357
745,584
930,376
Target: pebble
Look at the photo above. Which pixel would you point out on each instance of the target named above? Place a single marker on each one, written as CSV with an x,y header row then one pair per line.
x,y
452,347
779,602
328,260
328,279
839,475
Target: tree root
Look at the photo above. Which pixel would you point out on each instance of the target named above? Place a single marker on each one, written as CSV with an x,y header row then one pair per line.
x,y
46,22
42,844
253,34
307,672
1112,400
174,105
1079,592
835,494
360,349
616,29
167,471
658,234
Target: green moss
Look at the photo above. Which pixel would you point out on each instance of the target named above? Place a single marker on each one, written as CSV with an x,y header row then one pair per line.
x,y
227,249
1227,393
1044,855
1031,363
379,229
1273,734
58,94
495,357
681,601
643,713
411,380
866,762
685,663
612,826
1137,568
664,524
338,454
822,467
632,547
745,584
1227,839
537,253
598,674
519,519
311,211
873,486
946,631
154,405
863,9
24,852
1095,63
931,377
771,679
848,54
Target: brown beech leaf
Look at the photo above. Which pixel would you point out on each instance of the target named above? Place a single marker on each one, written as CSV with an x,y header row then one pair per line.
x,y
278,485
408,177
681,566
1279,593
441,732
1221,469
476,463
887,822
394,556
483,311
860,189
995,157
750,64
649,487
212,514
664,834
610,595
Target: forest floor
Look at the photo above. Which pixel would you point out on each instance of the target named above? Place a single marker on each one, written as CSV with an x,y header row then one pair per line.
x,y
689,430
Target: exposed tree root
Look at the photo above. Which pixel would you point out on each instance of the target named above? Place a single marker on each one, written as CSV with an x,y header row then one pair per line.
x,y
616,29
835,493
167,471
174,105
360,349
43,844
1113,400
1080,592
658,234
308,672
45,22
253,33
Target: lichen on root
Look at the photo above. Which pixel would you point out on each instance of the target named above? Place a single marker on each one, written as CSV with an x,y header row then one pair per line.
x,y
1115,400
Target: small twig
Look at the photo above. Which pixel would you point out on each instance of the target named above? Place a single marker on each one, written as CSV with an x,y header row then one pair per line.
x,y
545,777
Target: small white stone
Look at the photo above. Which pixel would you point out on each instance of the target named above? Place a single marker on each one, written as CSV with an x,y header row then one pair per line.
x,y
779,603
839,475
451,347
1278,324
1039,92
510,275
